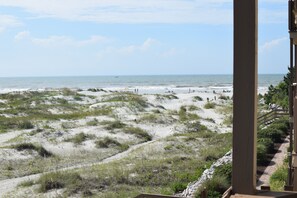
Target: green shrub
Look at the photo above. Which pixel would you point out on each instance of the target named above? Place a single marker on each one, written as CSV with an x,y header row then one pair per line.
x,y
210,105
24,146
197,98
283,120
274,134
210,120
195,126
114,125
43,152
206,134
178,187
62,101
29,146
268,136
224,97
224,171
134,100
279,94
34,132
185,116
93,122
77,98
25,125
156,111
68,92
193,108
278,178
268,143
71,182
150,118
138,132
27,183
261,155
57,180
78,138
215,187
280,126
182,115
166,96
210,154
171,96
228,120
107,142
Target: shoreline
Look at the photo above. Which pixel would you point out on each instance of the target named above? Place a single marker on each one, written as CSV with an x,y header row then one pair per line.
x,y
141,89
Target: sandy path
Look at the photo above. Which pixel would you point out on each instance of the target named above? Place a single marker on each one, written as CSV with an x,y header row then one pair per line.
x,y
276,162
9,184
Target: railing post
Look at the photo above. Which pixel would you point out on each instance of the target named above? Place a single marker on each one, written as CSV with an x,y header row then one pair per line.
x,y
204,193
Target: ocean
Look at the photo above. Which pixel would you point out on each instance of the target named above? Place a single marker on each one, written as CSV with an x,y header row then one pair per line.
x,y
157,82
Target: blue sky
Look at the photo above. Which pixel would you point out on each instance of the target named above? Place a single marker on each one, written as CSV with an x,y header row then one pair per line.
x,y
132,37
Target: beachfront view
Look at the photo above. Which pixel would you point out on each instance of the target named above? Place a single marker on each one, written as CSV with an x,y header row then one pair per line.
x,y
116,99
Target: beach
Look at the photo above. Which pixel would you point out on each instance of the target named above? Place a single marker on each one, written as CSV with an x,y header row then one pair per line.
x,y
75,129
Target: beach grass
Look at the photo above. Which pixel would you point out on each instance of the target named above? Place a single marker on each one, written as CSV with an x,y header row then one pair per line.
x,y
210,105
163,97
29,146
108,142
156,118
134,101
138,132
93,122
279,178
80,138
25,122
148,173
197,98
112,125
101,126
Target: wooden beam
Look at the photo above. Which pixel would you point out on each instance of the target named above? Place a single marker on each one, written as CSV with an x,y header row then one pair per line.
x,y
155,196
245,96
295,126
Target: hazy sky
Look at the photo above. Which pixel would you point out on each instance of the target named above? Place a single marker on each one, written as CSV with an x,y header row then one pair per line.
x,y
130,37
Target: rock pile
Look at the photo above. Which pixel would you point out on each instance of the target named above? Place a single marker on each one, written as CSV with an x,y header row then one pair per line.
x,y
207,174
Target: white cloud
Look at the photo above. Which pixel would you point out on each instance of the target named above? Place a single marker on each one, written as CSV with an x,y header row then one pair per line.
x,y
129,11
148,11
92,40
169,53
7,21
115,51
272,44
53,41
22,35
148,43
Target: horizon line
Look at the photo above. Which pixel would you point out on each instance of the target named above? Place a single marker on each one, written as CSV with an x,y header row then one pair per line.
x,y
128,75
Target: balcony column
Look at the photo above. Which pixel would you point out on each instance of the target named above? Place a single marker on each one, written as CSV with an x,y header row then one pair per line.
x,y
245,96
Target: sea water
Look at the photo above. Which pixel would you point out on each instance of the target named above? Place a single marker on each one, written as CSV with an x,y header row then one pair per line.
x,y
156,83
